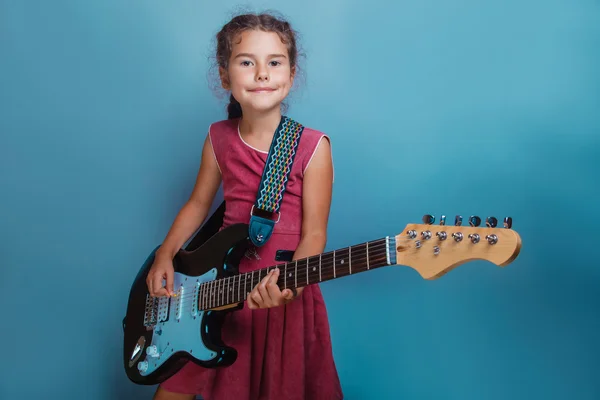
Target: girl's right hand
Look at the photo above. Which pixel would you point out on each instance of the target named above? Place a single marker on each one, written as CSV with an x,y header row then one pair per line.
x,y
162,269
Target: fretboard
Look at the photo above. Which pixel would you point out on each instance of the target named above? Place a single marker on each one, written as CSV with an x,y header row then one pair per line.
x,y
299,273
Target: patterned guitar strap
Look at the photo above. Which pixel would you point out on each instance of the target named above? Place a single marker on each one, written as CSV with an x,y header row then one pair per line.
x,y
265,211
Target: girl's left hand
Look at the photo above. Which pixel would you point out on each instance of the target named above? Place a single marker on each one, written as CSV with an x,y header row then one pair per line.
x,y
267,294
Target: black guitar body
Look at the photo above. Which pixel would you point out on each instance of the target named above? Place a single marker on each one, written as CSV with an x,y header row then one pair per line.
x,y
162,334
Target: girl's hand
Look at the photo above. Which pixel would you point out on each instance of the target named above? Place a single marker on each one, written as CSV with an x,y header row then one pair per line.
x,y
267,294
161,269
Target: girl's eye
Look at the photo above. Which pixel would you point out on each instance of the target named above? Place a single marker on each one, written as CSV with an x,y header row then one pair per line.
x,y
248,63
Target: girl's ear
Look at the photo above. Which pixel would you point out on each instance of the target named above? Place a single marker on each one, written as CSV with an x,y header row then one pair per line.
x,y
292,74
224,78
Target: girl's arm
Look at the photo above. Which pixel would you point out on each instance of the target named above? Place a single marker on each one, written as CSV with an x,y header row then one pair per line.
x,y
316,203
189,218
195,210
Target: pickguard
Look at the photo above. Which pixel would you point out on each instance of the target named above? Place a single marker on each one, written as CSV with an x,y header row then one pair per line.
x,y
175,323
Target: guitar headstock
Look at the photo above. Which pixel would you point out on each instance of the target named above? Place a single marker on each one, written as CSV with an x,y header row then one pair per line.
x,y
433,250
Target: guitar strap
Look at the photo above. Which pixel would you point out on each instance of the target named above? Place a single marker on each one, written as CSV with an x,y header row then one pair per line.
x,y
265,212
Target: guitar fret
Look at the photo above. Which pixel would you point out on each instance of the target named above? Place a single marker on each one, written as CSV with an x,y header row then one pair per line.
x,y
229,290
320,279
228,278
296,275
334,263
217,285
350,259
201,299
367,255
233,298
222,293
207,302
307,258
207,296
216,289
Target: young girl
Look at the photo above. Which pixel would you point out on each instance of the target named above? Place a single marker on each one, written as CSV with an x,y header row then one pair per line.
x,y
282,338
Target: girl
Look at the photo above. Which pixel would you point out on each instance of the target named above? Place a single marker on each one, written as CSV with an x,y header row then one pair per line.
x,y
282,338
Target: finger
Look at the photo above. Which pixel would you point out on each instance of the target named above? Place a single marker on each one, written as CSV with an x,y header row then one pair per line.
x,y
257,298
262,287
287,294
273,292
149,284
273,289
169,286
251,303
157,286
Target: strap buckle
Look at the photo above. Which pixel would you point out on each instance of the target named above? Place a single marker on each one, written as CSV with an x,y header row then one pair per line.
x,y
261,225
264,213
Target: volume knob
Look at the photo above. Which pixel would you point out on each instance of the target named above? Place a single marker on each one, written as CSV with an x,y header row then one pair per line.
x,y
152,351
143,366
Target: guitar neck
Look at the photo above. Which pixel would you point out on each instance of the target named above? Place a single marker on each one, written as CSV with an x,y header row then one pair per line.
x,y
303,272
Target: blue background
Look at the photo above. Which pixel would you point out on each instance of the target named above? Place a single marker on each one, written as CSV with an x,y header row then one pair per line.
x,y
462,107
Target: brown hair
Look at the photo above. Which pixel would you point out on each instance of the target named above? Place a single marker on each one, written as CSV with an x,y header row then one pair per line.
x,y
266,22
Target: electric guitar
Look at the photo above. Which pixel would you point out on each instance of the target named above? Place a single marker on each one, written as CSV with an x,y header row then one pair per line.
x,y
160,334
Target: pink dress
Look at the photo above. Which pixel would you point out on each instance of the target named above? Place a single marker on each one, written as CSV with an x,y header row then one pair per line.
x,y
283,352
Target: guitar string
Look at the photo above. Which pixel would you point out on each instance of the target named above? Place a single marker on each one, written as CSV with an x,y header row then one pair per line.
x,y
220,299
375,245
327,265
217,298
214,295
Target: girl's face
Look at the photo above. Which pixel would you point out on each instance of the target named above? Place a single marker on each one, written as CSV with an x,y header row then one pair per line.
x,y
259,75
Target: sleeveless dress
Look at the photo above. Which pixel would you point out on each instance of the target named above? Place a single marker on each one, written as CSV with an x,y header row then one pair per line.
x,y
283,352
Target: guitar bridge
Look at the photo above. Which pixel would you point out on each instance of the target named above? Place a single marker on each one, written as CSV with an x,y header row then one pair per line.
x,y
156,310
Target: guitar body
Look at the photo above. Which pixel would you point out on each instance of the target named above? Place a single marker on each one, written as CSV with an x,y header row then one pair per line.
x,y
162,334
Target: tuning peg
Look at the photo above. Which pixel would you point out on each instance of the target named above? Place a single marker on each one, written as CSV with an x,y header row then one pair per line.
x,y
491,222
428,219
474,220
508,222
458,220
443,220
